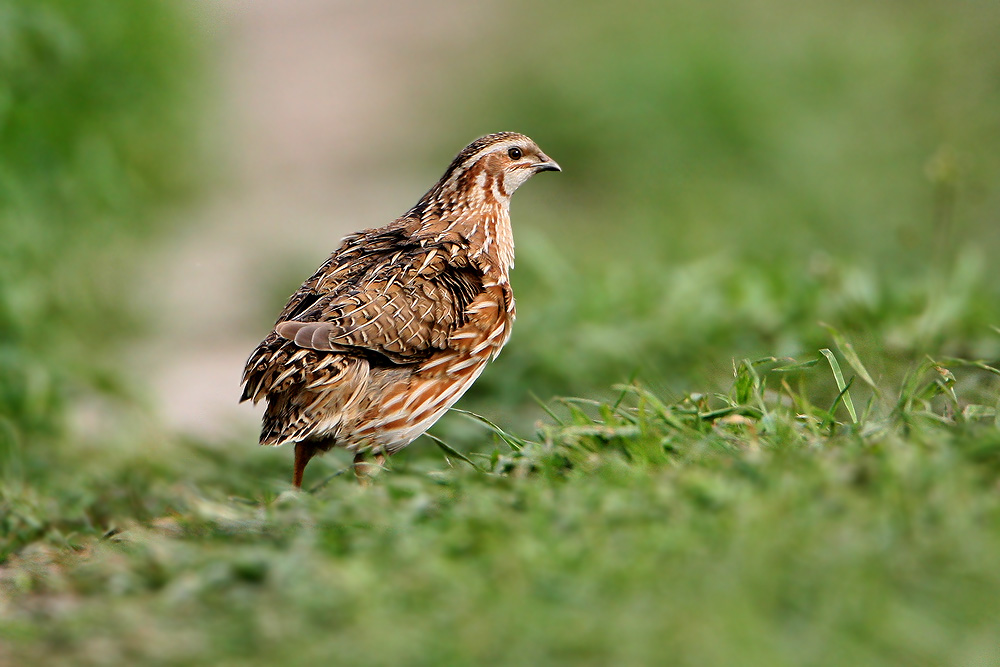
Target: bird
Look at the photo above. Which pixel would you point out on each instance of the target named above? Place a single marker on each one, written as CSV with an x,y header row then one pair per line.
x,y
400,320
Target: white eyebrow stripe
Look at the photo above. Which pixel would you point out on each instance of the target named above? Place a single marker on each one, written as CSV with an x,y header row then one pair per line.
x,y
506,144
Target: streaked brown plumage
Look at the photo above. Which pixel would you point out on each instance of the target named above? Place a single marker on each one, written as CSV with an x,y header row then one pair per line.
x,y
400,320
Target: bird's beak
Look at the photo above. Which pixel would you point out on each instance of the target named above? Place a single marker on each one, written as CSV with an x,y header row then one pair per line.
x,y
548,165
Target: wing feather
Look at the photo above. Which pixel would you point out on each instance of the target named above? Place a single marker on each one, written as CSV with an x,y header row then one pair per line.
x,y
385,291
383,295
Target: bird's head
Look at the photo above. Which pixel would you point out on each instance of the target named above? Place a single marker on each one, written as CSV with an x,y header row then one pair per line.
x,y
491,168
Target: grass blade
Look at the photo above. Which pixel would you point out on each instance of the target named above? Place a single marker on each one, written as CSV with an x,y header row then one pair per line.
x,y
851,356
515,443
981,365
451,451
841,385
795,366
845,396
549,411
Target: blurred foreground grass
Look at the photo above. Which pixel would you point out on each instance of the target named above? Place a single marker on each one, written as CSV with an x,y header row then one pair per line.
x,y
749,528
735,175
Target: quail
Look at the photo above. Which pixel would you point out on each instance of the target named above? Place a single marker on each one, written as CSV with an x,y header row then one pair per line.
x,y
400,320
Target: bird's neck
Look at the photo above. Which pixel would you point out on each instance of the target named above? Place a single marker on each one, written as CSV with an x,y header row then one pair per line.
x,y
491,241
480,216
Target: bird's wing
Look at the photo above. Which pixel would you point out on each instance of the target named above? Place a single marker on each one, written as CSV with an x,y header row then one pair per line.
x,y
402,304
357,255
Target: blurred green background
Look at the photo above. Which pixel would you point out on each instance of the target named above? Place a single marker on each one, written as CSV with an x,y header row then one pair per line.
x,y
96,132
739,172
734,174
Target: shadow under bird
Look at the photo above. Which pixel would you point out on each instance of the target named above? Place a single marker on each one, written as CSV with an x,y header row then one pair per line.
x,y
400,321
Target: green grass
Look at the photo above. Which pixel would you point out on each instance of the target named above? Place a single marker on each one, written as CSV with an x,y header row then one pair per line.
x,y
753,527
764,277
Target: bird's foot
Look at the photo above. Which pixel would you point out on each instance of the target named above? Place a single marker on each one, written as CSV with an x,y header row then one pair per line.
x,y
366,471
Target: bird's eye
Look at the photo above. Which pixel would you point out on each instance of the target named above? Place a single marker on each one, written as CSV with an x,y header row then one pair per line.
x,y
514,153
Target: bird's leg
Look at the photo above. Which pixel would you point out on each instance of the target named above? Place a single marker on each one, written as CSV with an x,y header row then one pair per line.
x,y
360,469
303,452
365,471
